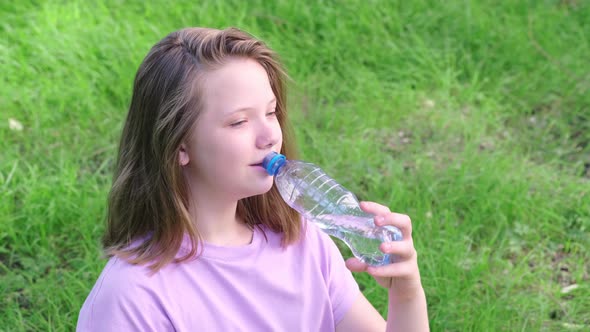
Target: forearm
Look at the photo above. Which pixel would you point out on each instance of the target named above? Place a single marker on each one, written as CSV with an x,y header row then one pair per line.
x,y
407,314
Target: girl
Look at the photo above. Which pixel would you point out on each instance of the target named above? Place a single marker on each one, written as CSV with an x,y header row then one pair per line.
x,y
198,237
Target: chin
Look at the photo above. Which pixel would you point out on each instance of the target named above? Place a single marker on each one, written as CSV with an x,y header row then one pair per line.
x,y
259,190
266,188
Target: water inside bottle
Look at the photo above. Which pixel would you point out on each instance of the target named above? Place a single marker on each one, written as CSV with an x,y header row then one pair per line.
x,y
361,236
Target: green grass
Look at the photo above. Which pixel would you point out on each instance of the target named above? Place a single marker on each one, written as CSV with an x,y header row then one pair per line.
x,y
471,117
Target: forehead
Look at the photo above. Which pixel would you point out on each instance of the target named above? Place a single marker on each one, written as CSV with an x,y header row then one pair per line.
x,y
239,83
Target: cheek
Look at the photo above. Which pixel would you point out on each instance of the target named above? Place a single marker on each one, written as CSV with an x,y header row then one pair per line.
x,y
279,133
209,153
229,151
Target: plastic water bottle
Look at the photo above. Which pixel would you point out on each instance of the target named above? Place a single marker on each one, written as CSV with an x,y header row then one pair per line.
x,y
320,199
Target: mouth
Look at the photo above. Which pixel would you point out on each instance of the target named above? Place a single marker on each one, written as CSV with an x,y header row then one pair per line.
x,y
261,162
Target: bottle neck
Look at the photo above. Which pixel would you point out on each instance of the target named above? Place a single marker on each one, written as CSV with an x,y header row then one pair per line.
x,y
273,163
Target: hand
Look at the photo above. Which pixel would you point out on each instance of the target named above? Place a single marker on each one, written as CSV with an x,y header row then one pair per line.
x,y
402,278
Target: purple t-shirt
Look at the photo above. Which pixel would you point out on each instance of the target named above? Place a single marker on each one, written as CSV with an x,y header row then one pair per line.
x,y
257,287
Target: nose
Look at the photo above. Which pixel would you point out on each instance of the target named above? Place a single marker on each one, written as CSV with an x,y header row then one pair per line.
x,y
268,136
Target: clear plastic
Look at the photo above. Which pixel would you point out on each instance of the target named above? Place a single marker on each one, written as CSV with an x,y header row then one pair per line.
x,y
320,199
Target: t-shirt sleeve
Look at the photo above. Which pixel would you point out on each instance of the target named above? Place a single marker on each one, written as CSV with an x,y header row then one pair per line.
x,y
343,288
121,301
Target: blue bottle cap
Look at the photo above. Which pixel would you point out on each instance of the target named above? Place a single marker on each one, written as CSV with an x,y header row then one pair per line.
x,y
273,162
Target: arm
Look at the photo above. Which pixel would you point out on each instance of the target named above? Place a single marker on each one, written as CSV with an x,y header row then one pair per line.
x,y
407,301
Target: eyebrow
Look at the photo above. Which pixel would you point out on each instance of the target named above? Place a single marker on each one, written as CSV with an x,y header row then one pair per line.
x,y
242,109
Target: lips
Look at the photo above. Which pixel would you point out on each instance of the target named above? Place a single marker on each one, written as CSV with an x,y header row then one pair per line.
x,y
260,163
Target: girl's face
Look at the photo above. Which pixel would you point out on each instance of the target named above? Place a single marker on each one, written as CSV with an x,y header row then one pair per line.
x,y
236,130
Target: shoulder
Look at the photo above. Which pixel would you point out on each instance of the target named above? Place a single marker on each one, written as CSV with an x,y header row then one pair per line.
x,y
314,236
121,278
125,296
341,285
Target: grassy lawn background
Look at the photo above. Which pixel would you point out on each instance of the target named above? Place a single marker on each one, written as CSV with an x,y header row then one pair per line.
x,y
473,117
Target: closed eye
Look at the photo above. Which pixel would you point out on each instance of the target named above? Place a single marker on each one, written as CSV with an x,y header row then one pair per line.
x,y
237,123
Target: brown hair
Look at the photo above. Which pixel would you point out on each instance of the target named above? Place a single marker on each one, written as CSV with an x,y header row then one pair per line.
x,y
149,199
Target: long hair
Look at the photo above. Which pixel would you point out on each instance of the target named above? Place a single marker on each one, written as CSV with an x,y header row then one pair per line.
x,y
149,197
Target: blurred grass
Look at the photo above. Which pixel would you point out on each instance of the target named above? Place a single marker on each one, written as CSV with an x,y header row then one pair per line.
x,y
471,117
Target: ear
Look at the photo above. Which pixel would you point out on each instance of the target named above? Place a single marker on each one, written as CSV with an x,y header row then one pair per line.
x,y
183,157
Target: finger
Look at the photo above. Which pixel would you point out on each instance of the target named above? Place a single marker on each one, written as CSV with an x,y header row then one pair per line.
x,y
401,221
395,270
403,250
355,265
374,208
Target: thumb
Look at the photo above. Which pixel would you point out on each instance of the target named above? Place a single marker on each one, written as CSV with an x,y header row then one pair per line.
x,y
355,265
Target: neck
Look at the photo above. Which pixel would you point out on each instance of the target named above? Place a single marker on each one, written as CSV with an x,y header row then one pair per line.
x,y
216,220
